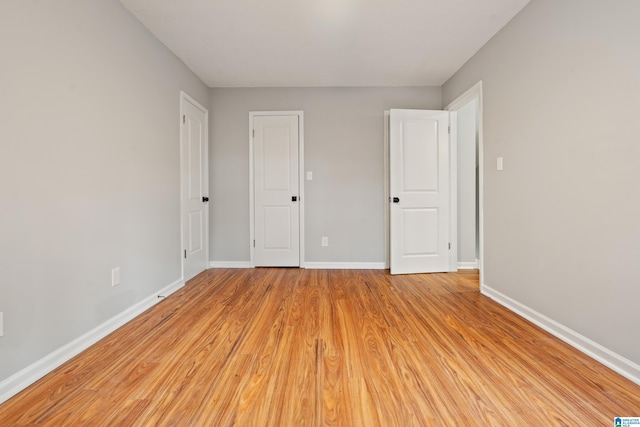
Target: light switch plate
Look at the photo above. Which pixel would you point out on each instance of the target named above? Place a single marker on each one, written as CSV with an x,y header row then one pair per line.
x,y
499,163
309,175
1,324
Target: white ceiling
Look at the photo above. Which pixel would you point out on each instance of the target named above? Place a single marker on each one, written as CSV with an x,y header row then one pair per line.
x,y
278,43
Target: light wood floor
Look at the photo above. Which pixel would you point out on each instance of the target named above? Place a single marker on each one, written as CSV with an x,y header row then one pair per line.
x,y
291,347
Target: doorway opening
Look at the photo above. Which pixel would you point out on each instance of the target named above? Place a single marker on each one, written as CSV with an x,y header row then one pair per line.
x,y
467,134
475,233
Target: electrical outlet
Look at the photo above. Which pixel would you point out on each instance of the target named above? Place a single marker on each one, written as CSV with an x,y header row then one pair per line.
x,y
325,241
1,324
115,276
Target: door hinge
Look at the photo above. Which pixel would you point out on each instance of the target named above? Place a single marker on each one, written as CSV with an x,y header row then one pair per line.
x,y
449,130
449,245
185,254
253,133
254,243
184,118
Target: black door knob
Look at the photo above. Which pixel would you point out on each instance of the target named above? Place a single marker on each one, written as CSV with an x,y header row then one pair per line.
x,y
294,198
205,199
396,200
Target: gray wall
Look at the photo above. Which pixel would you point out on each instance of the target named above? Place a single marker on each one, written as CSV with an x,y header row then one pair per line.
x,y
89,170
562,221
467,133
344,150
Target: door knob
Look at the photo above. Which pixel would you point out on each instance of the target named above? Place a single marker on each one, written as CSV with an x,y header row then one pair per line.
x,y
205,199
294,198
396,200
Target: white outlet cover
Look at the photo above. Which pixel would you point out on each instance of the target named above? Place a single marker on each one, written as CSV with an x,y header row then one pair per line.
x,y
309,175
499,163
115,276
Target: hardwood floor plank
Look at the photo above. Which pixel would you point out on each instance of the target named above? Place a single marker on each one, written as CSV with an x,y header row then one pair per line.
x,y
194,374
293,347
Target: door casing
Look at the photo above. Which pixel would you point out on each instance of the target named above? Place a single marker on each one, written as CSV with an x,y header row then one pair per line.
x,y
301,197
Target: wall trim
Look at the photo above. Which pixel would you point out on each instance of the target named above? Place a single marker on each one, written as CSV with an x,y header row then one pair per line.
x,y
620,364
231,264
345,265
27,376
462,265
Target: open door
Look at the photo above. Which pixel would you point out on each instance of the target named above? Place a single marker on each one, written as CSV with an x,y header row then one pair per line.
x,y
419,187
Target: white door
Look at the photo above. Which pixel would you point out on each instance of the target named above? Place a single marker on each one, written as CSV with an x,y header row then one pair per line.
x,y
194,186
419,190
276,191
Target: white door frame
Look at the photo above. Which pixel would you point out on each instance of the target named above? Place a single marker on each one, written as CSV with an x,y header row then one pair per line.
x,y
387,193
471,94
185,97
453,196
301,197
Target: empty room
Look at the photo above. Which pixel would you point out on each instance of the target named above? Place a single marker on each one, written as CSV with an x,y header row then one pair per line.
x,y
323,212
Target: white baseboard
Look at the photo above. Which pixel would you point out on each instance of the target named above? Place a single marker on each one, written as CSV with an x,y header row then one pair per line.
x,y
345,265
27,376
468,265
231,264
621,365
